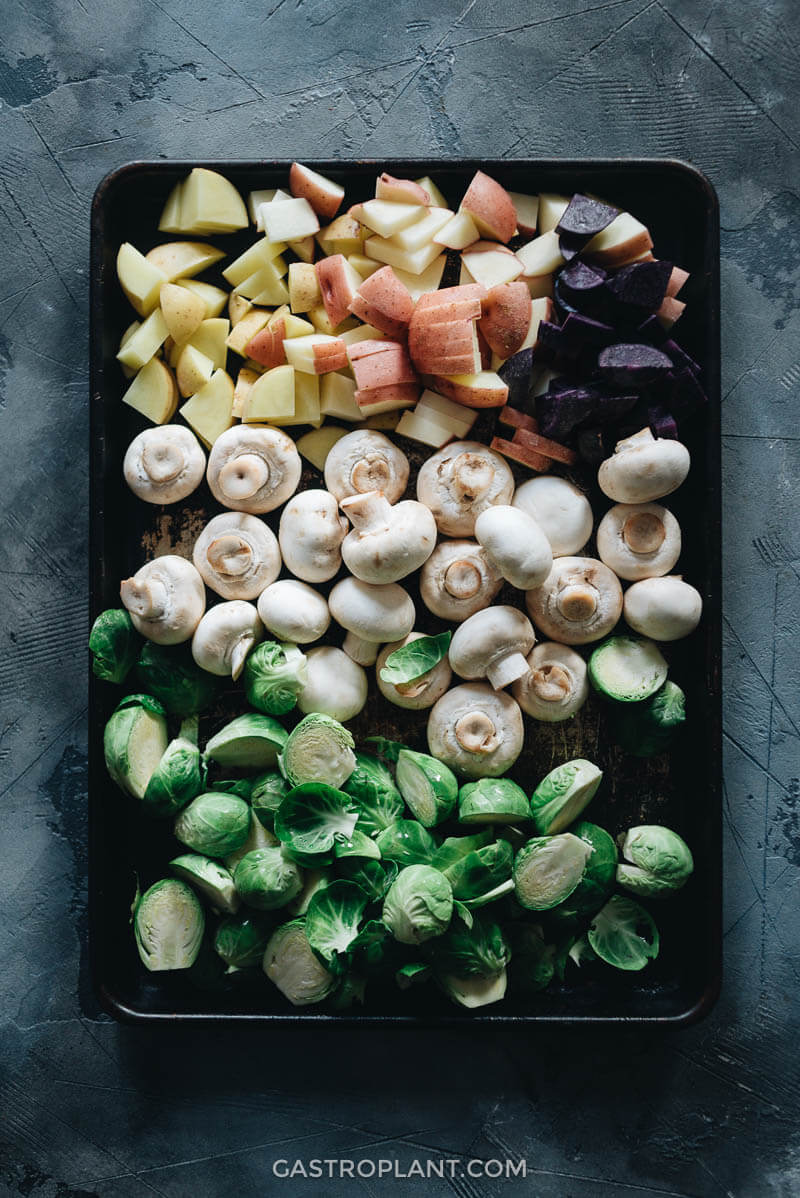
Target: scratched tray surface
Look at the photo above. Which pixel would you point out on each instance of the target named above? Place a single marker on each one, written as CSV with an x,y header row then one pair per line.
x,y
681,788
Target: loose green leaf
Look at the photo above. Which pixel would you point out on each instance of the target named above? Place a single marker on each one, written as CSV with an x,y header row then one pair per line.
x,y
313,817
332,920
378,800
410,662
623,934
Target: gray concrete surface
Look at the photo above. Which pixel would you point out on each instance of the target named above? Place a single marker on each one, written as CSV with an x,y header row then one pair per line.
x,y
91,1108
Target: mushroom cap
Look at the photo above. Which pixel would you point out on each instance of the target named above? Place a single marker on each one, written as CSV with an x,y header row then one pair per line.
x,y
383,612
460,481
388,541
310,533
639,540
164,464
556,685
165,598
664,609
225,636
237,555
335,686
475,730
458,579
579,601
643,468
293,611
488,644
422,692
515,544
561,510
366,460
253,469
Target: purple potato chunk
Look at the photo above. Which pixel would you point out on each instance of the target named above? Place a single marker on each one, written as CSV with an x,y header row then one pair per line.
x,y
580,277
662,423
583,329
632,365
653,331
642,284
687,395
571,244
559,414
516,372
679,356
584,217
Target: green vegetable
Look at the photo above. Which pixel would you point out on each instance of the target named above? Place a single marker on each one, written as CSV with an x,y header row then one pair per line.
x,y
462,912
627,668
291,963
313,880
411,661
267,793
481,870
114,644
212,880
492,801
313,817
214,824
647,728
419,904
429,787
463,951
258,837
358,845
251,741
168,925
320,749
657,861
490,896
243,787
170,673
623,934
242,939
378,800
562,795
412,973
134,742
532,969
267,878
548,869
374,877
332,920
597,882
179,776
407,843
388,749
475,991
274,675
455,847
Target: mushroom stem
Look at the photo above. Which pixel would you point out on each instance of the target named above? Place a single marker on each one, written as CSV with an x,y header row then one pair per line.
x,y
643,532
163,461
371,473
148,600
476,732
243,476
462,579
239,653
230,554
361,651
506,670
577,602
367,511
551,683
472,475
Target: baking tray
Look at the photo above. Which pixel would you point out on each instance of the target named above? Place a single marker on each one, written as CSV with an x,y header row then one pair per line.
x,y
682,789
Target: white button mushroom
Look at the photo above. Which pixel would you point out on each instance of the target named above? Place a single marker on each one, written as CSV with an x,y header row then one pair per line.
x,y
294,611
461,481
311,532
237,555
458,579
639,540
371,614
515,544
366,460
643,468
225,636
579,601
492,644
664,609
556,685
560,509
166,599
421,692
253,469
335,686
387,542
164,464
475,730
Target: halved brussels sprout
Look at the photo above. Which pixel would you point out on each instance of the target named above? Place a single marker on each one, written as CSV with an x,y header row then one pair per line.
x,y
258,837
492,801
481,870
134,742
623,934
627,668
267,879
548,869
379,802
597,882
475,991
214,824
313,817
114,645
319,749
292,965
419,904
374,877
647,728
266,795
241,940
657,861
274,675
179,776
407,843
313,880
168,925
171,674
562,795
429,787
251,741
208,877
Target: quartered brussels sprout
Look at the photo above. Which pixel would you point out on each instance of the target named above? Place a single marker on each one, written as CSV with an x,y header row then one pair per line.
x,y
114,644
210,878
378,800
623,934
627,668
657,861
407,843
274,675
214,824
170,673
241,940
475,991
478,950
453,848
647,728
313,880
429,787
258,837
532,966
319,749
562,795
168,924
179,776
251,741
480,871
597,882
547,870
313,817
332,920
492,801
134,742
419,904
291,963
267,879
267,793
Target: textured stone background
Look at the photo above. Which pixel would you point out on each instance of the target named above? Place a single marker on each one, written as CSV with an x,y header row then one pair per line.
x,y
90,1108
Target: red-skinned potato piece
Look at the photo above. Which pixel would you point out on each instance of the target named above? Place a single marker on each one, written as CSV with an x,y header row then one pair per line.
x,y
400,191
266,347
384,302
401,394
671,310
332,355
485,351
513,418
385,368
324,196
506,317
517,452
446,347
543,445
466,293
491,208
677,279
484,392
337,284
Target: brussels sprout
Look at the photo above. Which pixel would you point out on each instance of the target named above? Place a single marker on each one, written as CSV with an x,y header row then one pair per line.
x,y
251,741
453,848
627,668
490,896
374,877
410,974
548,869
623,934
267,793
492,801
243,787
358,845
352,989
313,817
466,951
407,843
461,911
291,963
179,777
210,878
645,729
562,795
419,904
581,952
267,879
170,673
319,749
274,675
134,742
379,802
412,661
475,991
657,861
481,870
168,924
597,882
258,837
532,959
313,880
389,750
214,824
332,920
114,645
242,939
429,787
